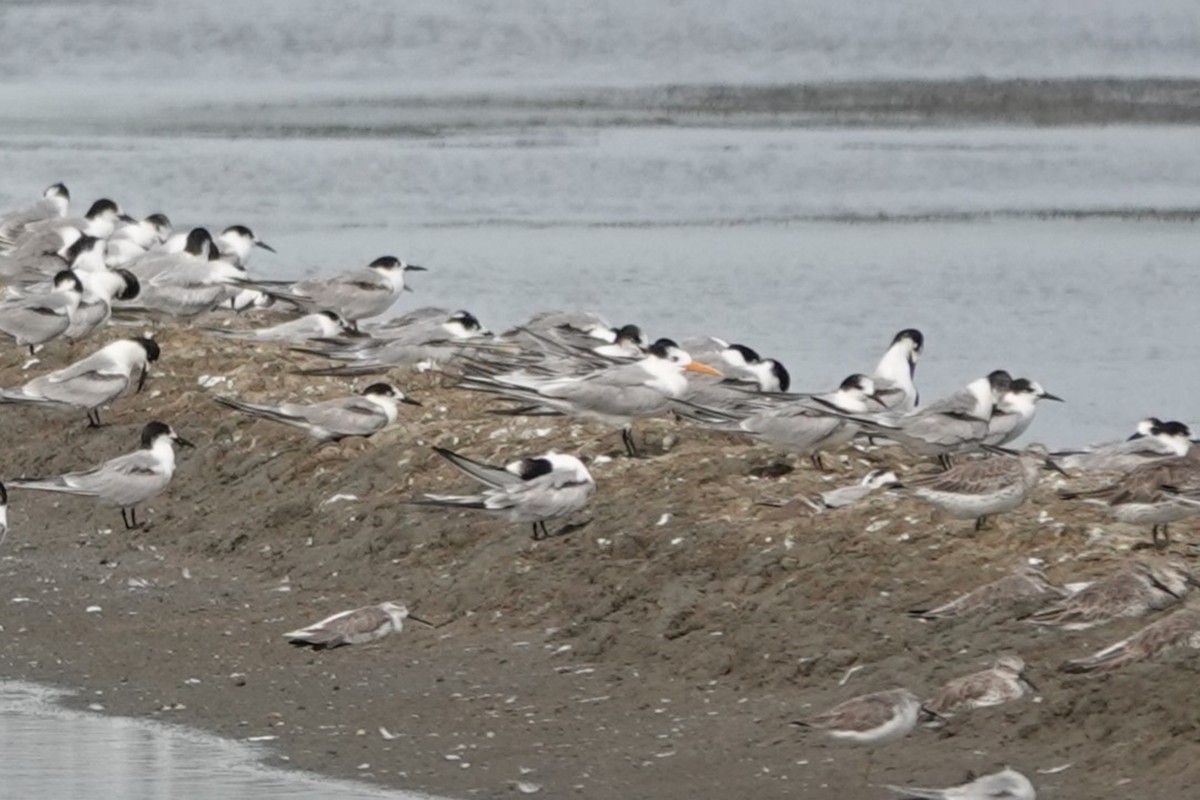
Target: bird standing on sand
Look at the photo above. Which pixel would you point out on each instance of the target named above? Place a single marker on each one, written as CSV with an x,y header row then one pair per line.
x,y
983,487
357,626
92,382
531,490
37,319
870,719
124,481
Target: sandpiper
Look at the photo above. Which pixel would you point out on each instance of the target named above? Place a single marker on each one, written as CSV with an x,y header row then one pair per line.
x,y
980,488
1023,583
357,626
1132,591
1003,682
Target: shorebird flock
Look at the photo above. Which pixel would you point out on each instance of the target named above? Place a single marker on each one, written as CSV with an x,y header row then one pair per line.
x,y
72,278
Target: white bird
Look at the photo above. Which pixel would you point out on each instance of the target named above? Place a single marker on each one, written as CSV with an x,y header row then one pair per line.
x,y
357,294
100,221
124,481
1007,784
806,426
357,626
844,496
895,373
37,319
237,242
427,341
318,325
332,420
531,490
90,383
955,424
53,205
136,239
1015,410
615,395
187,283
1153,440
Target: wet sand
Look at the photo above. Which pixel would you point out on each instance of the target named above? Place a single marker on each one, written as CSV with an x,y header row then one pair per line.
x,y
658,652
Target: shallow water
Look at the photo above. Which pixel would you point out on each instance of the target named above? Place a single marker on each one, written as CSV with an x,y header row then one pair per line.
x,y
52,753
466,137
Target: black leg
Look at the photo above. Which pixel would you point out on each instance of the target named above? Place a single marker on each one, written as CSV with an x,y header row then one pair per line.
x,y
133,516
535,531
94,418
817,463
945,461
125,519
980,522
630,446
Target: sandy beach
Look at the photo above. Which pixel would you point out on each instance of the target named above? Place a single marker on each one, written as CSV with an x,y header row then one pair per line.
x,y
659,651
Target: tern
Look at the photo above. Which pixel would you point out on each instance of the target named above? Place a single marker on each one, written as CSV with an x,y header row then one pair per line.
x,y
37,319
806,427
357,294
896,371
955,424
614,395
1007,783
318,325
1014,412
426,341
53,205
124,481
92,382
531,490
332,420
1153,440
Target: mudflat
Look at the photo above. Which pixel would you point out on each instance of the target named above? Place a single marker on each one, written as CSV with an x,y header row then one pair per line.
x,y
659,651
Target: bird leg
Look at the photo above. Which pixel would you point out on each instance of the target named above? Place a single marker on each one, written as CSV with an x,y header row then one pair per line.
x,y
980,523
539,531
627,438
1166,537
817,463
94,419
130,521
945,461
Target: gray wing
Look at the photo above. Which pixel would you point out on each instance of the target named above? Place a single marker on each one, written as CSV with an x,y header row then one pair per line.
x,y
487,474
88,383
123,481
35,319
346,416
960,402
545,497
